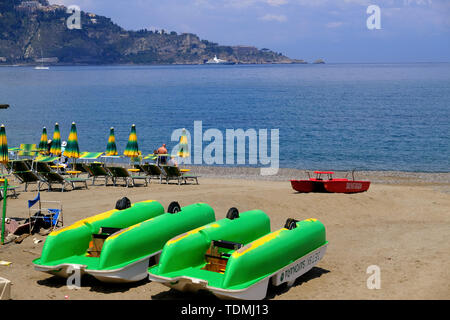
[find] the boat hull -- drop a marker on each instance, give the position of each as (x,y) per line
(125,255)
(331,186)
(133,272)
(257,291)
(347,186)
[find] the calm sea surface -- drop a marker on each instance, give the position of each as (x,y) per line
(334,116)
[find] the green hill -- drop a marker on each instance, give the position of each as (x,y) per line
(27,27)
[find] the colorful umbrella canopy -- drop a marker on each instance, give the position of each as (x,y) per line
(111,148)
(43,144)
(3,146)
(72,150)
(132,149)
(56,142)
(183,147)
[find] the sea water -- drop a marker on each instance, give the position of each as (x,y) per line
(330,117)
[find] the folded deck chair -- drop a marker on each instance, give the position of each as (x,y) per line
(96,171)
(55,178)
(122,173)
(27,150)
(174,173)
(27,177)
(17,165)
(90,155)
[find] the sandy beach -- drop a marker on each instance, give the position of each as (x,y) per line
(402,225)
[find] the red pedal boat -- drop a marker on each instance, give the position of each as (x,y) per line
(318,184)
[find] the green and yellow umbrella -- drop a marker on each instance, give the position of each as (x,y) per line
(132,149)
(183,147)
(3,146)
(72,149)
(111,148)
(56,142)
(4,159)
(43,144)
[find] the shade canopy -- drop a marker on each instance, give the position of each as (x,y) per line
(132,149)
(72,149)
(3,146)
(183,147)
(56,142)
(43,143)
(111,148)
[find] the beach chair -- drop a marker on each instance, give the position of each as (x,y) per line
(8,188)
(53,219)
(28,177)
(55,178)
(152,171)
(17,165)
(122,173)
(42,167)
(174,173)
(96,171)
(78,167)
(43,159)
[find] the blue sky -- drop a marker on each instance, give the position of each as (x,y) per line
(335,30)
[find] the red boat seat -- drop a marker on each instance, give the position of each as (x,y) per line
(323,172)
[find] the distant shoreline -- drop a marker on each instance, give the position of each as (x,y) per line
(378,176)
(197,64)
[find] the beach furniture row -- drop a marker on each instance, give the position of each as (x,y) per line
(44,173)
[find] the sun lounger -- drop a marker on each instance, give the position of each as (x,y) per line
(174,173)
(122,173)
(90,155)
(9,188)
(55,178)
(27,150)
(27,177)
(96,171)
(42,167)
(17,165)
(152,171)
(46,160)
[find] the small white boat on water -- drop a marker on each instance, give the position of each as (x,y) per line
(41,67)
(216,60)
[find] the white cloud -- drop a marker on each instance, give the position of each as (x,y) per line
(274,17)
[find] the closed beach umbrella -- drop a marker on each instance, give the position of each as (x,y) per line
(183,147)
(3,146)
(4,159)
(56,142)
(132,149)
(111,148)
(72,150)
(43,144)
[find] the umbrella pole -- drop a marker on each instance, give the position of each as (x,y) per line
(5,195)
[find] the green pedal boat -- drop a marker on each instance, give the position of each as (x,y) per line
(119,245)
(237,257)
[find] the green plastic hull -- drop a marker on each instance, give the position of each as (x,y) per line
(281,257)
(125,254)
